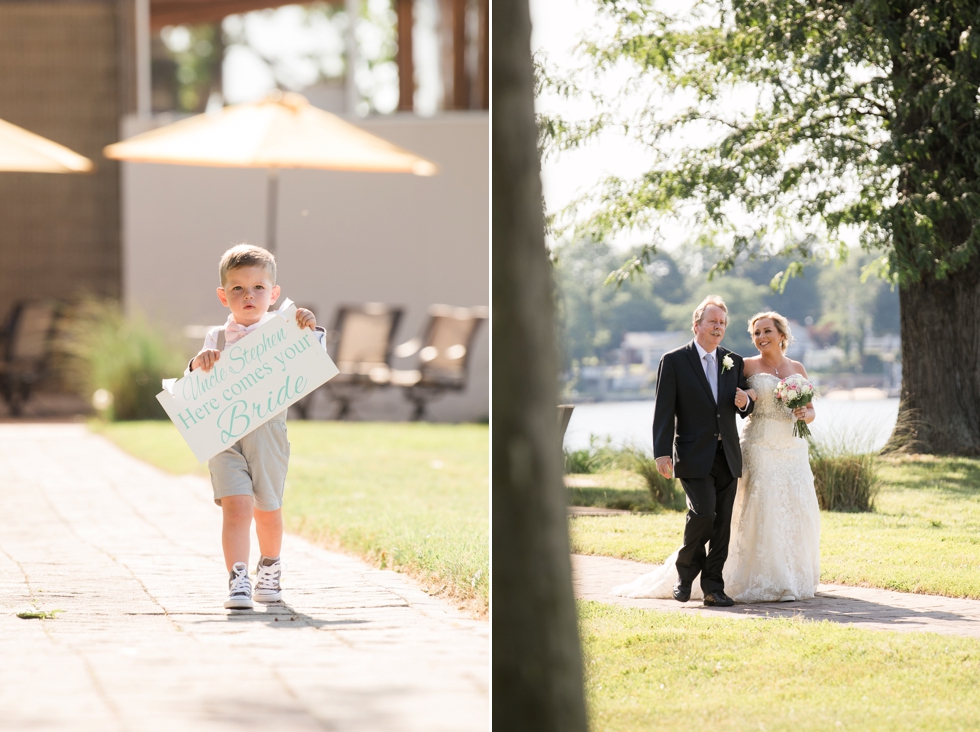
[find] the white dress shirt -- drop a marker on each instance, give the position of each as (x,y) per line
(702,353)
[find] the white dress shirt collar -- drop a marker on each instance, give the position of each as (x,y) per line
(701,352)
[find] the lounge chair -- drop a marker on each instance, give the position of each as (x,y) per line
(361,345)
(564,417)
(443,355)
(26,351)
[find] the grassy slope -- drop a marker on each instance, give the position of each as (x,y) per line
(923,537)
(413,497)
(649,671)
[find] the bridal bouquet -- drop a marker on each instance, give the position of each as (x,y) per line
(796,391)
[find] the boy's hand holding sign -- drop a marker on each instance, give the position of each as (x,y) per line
(225,397)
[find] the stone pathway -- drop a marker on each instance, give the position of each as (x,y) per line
(132,556)
(594,577)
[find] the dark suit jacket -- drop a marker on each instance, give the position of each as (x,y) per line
(686,420)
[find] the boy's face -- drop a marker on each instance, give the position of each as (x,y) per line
(249,292)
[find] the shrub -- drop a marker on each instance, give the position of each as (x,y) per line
(579,461)
(663,490)
(845,479)
(122,359)
(600,455)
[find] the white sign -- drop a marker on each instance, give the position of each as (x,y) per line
(256,378)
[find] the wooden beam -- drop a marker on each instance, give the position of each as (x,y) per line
(482,81)
(178,12)
(446,51)
(460,81)
(406,67)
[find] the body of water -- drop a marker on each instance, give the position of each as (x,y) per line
(863,424)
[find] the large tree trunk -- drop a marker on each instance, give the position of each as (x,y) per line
(537,669)
(940,406)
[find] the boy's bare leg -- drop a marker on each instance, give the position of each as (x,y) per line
(268,528)
(236,520)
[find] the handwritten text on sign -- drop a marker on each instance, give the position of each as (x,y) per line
(256,378)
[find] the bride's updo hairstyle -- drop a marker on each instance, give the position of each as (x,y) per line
(782,325)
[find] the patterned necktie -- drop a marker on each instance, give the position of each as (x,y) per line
(712,375)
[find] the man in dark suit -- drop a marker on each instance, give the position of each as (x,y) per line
(700,387)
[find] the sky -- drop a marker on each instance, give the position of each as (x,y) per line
(556,28)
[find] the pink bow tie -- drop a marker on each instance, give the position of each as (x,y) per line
(235,332)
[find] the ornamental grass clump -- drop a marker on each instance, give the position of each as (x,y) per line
(598,457)
(602,457)
(117,361)
(663,490)
(579,461)
(845,479)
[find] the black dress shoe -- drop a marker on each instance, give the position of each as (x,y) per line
(717,599)
(682,591)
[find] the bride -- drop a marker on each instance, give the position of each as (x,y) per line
(775,550)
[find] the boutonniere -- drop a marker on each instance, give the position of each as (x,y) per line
(726,363)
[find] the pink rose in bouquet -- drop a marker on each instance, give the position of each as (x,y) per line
(796,391)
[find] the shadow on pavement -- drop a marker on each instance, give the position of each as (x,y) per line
(837,609)
(281,615)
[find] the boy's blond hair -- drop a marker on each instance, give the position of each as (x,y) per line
(246,255)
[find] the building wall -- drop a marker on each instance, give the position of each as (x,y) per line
(342,238)
(60,234)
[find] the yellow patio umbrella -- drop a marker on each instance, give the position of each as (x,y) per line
(24,152)
(281,131)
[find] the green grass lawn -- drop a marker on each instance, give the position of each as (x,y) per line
(924,535)
(412,497)
(647,670)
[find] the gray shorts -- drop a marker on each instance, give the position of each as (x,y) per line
(254,466)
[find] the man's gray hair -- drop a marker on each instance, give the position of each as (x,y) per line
(709,300)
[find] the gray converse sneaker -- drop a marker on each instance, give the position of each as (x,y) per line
(239,588)
(267,575)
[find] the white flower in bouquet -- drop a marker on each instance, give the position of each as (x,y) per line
(796,391)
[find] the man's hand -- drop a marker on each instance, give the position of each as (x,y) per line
(665,466)
(205,360)
(305,319)
(741,399)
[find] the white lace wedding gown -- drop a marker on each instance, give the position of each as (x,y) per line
(775,546)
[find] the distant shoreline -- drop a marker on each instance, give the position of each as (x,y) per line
(858,394)
(857,415)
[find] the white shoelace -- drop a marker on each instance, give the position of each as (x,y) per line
(267,578)
(240,583)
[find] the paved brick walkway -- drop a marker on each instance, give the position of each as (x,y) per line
(865,607)
(133,558)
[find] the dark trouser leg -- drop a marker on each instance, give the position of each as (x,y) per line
(698,527)
(709,513)
(725,484)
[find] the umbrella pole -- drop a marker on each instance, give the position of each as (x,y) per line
(272,206)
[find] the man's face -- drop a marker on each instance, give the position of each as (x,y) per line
(249,292)
(709,332)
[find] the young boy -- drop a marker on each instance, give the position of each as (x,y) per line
(249,477)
